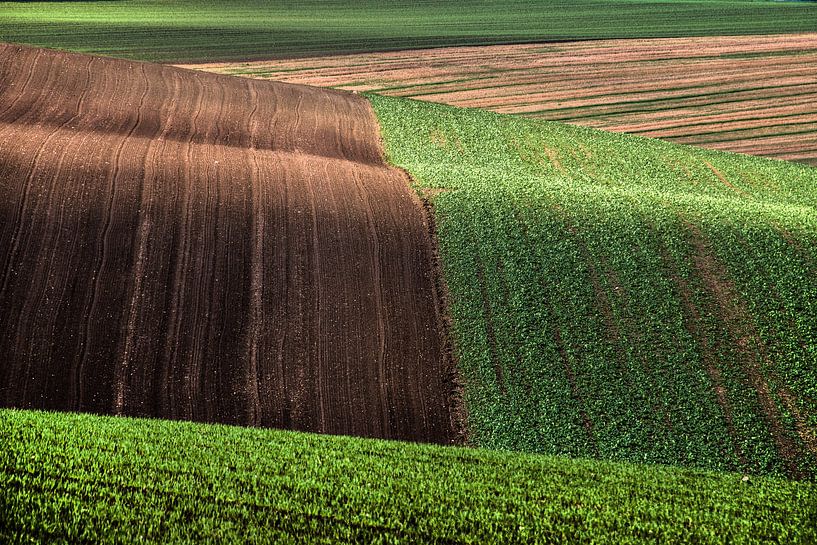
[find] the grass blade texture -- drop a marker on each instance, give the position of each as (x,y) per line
(67,478)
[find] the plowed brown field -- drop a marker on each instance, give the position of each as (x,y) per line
(193,246)
(750,94)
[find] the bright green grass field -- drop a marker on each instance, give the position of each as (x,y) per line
(200,30)
(613,297)
(87,479)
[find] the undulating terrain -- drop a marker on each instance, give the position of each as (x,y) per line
(622,297)
(749,94)
(192,246)
(621,330)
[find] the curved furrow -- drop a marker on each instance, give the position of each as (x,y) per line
(23,227)
(7,85)
(30,102)
(257,267)
(318,281)
(33,169)
(377,292)
(129,377)
(69,160)
(102,244)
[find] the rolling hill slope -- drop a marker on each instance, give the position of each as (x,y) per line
(191,246)
(620,297)
(67,478)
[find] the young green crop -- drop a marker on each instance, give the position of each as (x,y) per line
(68,478)
(196,30)
(620,297)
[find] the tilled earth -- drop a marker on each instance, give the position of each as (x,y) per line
(748,94)
(193,246)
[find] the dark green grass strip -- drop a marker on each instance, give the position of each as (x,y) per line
(665,102)
(791,99)
(753,134)
(771,121)
(631,300)
(196,30)
(86,479)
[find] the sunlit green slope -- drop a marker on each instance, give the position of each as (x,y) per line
(619,297)
(88,479)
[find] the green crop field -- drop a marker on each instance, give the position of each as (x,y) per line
(68,478)
(197,30)
(620,297)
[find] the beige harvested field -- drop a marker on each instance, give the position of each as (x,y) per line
(750,94)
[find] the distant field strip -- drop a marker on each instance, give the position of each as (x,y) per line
(200,30)
(752,94)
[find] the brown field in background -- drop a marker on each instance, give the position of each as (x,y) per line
(749,94)
(190,246)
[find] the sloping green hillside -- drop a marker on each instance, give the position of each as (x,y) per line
(619,297)
(87,479)
(198,30)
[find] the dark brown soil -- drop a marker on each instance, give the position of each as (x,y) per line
(191,246)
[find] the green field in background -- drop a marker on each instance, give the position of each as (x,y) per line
(197,30)
(68,478)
